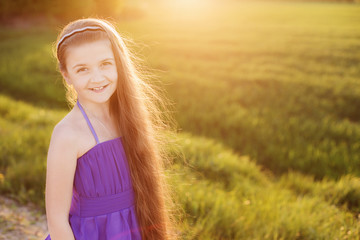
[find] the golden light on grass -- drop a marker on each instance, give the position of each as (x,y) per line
(189,9)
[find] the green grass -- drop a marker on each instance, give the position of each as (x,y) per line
(25,136)
(273,90)
(276,81)
(224,195)
(27,69)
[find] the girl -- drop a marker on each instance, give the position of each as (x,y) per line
(104,175)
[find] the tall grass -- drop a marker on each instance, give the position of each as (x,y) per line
(270,90)
(223,195)
(275,81)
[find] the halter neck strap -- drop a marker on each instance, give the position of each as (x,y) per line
(88,121)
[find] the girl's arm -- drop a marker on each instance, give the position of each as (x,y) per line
(61,164)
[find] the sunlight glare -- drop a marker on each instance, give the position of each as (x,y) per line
(189,8)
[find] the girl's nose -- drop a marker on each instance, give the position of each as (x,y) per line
(97,76)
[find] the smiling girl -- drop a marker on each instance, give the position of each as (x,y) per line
(105,169)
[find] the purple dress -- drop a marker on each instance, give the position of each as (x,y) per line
(102,206)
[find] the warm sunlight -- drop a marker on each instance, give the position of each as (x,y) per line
(189,4)
(196,119)
(189,9)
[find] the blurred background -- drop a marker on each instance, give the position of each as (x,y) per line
(266,95)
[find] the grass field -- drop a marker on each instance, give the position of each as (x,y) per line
(267,95)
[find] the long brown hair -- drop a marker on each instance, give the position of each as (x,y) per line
(139,110)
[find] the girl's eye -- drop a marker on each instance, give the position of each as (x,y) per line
(81,69)
(107,63)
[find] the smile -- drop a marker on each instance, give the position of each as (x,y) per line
(99,88)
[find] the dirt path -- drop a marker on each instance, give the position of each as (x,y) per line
(21,222)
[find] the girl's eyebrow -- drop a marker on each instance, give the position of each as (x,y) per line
(78,65)
(82,64)
(106,59)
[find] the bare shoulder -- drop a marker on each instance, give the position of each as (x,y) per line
(71,135)
(64,139)
(64,134)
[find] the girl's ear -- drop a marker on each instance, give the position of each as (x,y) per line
(66,77)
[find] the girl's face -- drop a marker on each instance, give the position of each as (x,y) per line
(92,71)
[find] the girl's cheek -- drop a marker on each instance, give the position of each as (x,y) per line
(83,80)
(115,74)
(112,73)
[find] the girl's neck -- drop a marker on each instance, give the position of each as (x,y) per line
(98,110)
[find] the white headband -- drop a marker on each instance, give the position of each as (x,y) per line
(75,31)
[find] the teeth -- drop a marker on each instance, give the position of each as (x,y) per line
(99,88)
